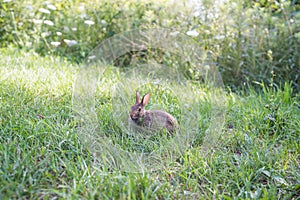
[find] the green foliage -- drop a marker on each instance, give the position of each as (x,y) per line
(72,28)
(250,40)
(253,44)
(41,155)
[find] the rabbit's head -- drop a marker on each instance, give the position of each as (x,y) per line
(137,111)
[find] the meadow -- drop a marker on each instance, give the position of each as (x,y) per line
(45,155)
(257,155)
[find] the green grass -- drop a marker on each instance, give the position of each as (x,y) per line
(41,155)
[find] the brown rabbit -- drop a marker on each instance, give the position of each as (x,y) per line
(150,119)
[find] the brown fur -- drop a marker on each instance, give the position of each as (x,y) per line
(151,119)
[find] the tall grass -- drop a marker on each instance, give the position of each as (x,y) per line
(250,41)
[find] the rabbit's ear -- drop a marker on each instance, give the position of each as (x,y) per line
(145,99)
(137,97)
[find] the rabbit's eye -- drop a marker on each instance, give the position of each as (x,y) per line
(140,109)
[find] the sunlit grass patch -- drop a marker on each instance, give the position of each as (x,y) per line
(104,125)
(42,156)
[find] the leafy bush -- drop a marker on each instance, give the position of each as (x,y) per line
(252,41)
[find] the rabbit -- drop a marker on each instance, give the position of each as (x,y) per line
(150,120)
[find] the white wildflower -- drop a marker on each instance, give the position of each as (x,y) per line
(45,34)
(192,33)
(70,42)
(51,7)
(43,10)
(46,3)
(37,21)
(92,57)
(89,22)
(48,22)
(56,44)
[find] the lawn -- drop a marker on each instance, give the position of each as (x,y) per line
(42,155)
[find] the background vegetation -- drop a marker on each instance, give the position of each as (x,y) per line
(254,43)
(249,40)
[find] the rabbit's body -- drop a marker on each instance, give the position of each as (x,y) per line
(150,120)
